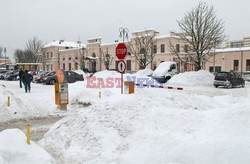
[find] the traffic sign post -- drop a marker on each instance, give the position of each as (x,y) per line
(121,52)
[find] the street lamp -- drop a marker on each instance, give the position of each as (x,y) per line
(5,57)
(123,33)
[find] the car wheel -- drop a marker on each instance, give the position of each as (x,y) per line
(52,82)
(230,85)
(216,86)
(243,85)
(167,78)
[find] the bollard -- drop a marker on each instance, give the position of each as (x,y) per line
(100,94)
(28,133)
(8,101)
(129,87)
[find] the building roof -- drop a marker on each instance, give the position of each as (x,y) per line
(233,49)
(58,43)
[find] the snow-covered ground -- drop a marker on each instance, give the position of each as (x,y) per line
(14,149)
(200,124)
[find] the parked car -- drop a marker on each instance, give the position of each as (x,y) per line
(44,77)
(228,79)
(38,76)
(246,76)
(13,76)
(4,75)
(2,72)
(70,76)
(165,71)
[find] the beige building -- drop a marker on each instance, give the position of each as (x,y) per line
(245,42)
(62,54)
(237,59)
(93,56)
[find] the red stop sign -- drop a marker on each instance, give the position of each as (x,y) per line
(121,51)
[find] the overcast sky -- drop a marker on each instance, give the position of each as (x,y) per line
(72,19)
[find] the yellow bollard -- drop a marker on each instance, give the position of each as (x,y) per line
(8,101)
(28,133)
(100,94)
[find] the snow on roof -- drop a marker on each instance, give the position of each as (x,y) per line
(233,49)
(151,29)
(71,49)
(59,43)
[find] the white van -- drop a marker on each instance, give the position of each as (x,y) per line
(165,71)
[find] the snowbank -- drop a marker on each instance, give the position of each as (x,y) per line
(199,78)
(155,126)
(144,72)
(15,150)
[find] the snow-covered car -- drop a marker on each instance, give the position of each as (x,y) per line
(144,72)
(165,71)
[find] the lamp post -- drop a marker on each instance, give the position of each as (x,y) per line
(123,34)
(5,57)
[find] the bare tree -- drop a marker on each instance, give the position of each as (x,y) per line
(34,47)
(106,59)
(202,31)
(1,51)
(19,56)
(141,46)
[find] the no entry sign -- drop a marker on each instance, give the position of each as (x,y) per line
(121,51)
(121,66)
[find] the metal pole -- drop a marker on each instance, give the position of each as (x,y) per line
(123,34)
(241,63)
(5,58)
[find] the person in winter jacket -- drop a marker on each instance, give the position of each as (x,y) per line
(27,78)
(20,77)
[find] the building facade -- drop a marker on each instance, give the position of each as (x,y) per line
(95,54)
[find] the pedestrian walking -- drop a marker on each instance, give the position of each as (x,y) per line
(20,77)
(27,78)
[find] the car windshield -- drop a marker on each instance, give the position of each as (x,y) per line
(222,74)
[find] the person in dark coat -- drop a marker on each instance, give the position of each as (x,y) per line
(27,78)
(20,77)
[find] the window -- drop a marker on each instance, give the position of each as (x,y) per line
(63,66)
(129,65)
(177,47)
(47,67)
(248,65)
(155,49)
(51,67)
(129,53)
(51,55)
(76,58)
(66,47)
(69,58)
(162,48)
(47,54)
(69,66)
(186,48)
(217,69)
(236,65)
(63,58)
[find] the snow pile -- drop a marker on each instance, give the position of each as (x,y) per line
(15,150)
(155,126)
(144,72)
(107,74)
(199,78)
